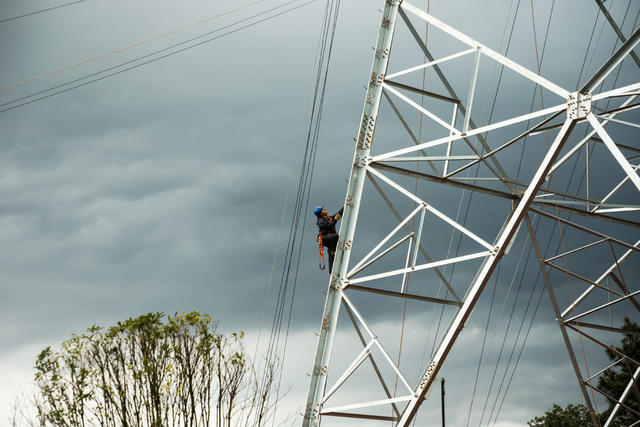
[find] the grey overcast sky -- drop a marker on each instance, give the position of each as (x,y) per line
(162,188)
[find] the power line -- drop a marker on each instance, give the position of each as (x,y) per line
(148,55)
(289,188)
(477,169)
(586,53)
(122,49)
(539,61)
(40,11)
(155,52)
(466,215)
(484,341)
(276,351)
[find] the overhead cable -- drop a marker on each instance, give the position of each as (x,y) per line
(122,49)
(468,203)
(39,11)
(586,53)
(539,61)
(277,345)
(30,101)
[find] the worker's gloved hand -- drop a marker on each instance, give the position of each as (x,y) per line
(341,211)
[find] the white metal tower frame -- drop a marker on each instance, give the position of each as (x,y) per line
(531,197)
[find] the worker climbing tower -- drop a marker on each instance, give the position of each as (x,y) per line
(558,179)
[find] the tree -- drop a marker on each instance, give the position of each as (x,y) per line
(614,381)
(571,416)
(153,370)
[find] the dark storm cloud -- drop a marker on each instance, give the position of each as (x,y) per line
(163,188)
(136,184)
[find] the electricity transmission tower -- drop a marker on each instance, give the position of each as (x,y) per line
(561,177)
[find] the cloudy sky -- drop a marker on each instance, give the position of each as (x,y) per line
(162,188)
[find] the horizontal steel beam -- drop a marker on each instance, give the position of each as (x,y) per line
(402,295)
(430,63)
(422,91)
(427,266)
(603,306)
(497,193)
(360,416)
(340,409)
(589,230)
(602,328)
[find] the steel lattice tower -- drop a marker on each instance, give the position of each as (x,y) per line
(596,221)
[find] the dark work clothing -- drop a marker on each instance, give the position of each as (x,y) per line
(327,230)
(327,224)
(330,241)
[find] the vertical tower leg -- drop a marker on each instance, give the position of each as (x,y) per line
(485,272)
(563,330)
(352,205)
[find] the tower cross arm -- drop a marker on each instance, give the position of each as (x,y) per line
(486,50)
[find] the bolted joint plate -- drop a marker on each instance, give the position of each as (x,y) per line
(325,323)
(320,370)
(425,379)
(376,79)
(312,412)
(370,99)
(383,54)
(578,105)
(337,282)
(362,161)
(365,136)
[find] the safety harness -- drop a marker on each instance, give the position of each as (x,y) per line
(321,262)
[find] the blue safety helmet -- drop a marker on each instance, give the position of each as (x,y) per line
(317,210)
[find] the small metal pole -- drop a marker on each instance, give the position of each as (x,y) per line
(442,398)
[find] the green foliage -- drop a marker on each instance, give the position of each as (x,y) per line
(152,370)
(571,416)
(614,381)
